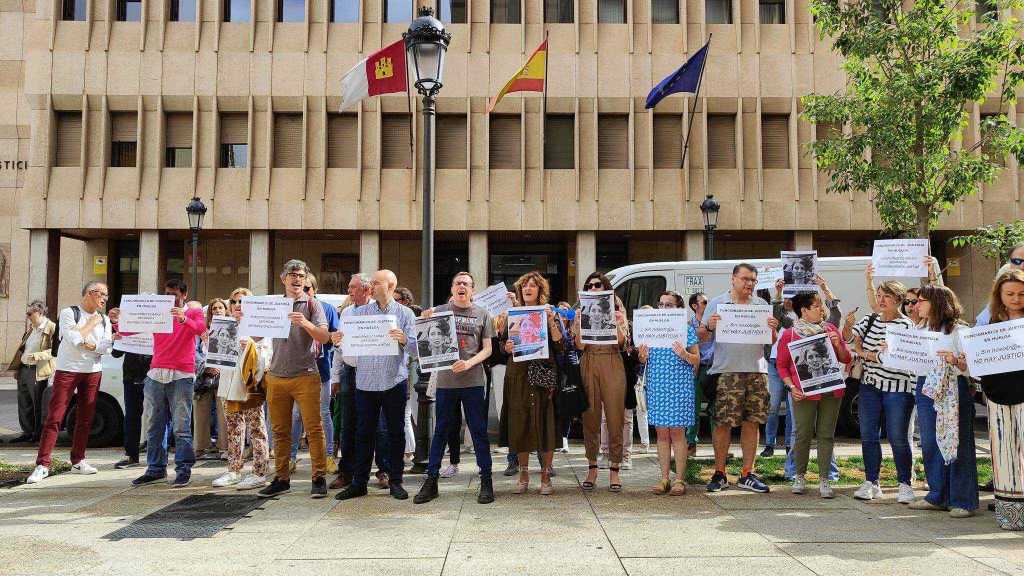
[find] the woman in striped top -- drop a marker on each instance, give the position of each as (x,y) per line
(884,391)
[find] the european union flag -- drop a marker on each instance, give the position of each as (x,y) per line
(685,79)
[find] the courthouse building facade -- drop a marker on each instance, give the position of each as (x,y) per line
(114,113)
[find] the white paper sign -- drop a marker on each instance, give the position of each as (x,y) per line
(368,335)
(136,344)
(744,324)
(224,346)
(913,351)
(149,313)
(659,328)
(494,299)
(597,322)
(900,258)
(995,348)
(528,331)
(437,342)
(266,316)
(816,365)
(767,276)
(799,269)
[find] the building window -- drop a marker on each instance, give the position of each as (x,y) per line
(123,139)
(73,10)
(718,11)
(505,12)
(178,140)
(611,11)
(291,10)
(775,141)
(69,139)
(560,141)
(558,11)
(236,10)
(397,10)
(395,151)
(988,149)
(668,141)
(451,141)
(288,140)
(234,140)
(344,10)
(773,11)
(342,140)
(721,140)
(986,9)
(452,11)
(183,11)
(129,10)
(613,141)
(665,11)
(505,142)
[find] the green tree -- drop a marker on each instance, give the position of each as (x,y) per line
(912,72)
(995,241)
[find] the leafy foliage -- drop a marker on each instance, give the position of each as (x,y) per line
(995,241)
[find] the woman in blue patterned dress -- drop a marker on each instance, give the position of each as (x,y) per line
(670,397)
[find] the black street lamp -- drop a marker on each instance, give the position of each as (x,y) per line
(709,208)
(426,43)
(195,210)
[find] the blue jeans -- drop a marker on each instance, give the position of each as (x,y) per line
(790,468)
(954,485)
(369,406)
(896,407)
(778,395)
(325,417)
(171,401)
(474,403)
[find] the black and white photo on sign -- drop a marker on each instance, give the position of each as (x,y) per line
(817,365)
(437,342)
(224,345)
(597,317)
(799,270)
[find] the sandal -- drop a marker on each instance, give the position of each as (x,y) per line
(522,487)
(588,485)
(614,487)
(678,488)
(662,487)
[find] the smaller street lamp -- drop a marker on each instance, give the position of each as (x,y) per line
(195,210)
(709,208)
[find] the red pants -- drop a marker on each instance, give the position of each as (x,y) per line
(87,385)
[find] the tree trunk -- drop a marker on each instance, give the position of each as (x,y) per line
(922,229)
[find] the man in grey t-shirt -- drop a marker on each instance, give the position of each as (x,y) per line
(464,383)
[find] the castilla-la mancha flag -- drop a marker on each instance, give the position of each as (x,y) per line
(383,72)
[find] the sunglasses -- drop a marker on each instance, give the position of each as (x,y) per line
(911,302)
(597,285)
(234,302)
(307,289)
(1017,261)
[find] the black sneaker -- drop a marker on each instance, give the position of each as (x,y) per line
(352,491)
(486,495)
(182,479)
(427,492)
(127,463)
(276,488)
(768,452)
(512,470)
(148,478)
(417,468)
(397,492)
(319,489)
(753,483)
(718,482)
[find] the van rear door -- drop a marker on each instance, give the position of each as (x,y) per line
(642,290)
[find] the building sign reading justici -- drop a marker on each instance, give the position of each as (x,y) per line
(13,164)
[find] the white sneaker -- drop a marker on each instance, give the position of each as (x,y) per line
(602,463)
(82,468)
(252,481)
(450,471)
(825,490)
(905,494)
(645,448)
(626,464)
(799,485)
(228,479)
(868,491)
(40,473)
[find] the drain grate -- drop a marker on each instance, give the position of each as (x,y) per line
(198,516)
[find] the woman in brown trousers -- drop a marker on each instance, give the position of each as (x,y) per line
(604,377)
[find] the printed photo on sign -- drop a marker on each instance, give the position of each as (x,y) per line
(900,258)
(494,299)
(799,269)
(528,331)
(913,351)
(266,316)
(224,346)
(817,365)
(994,349)
(368,335)
(597,318)
(744,324)
(135,344)
(659,328)
(437,342)
(149,313)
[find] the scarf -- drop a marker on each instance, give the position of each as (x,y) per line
(940,384)
(806,329)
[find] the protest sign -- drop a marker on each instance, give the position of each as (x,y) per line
(816,365)
(799,271)
(146,313)
(368,335)
(900,258)
(995,348)
(141,343)
(437,342)
(659,328)
(744,324)
(494,299)
(913,351)
(528,331)
(266,316)
(223,346)
(597,318)
(767,276)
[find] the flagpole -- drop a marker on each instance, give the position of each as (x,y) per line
(700,79)
(544,113)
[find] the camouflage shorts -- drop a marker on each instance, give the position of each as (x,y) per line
(742,397)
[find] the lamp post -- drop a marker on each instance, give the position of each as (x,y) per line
(426,43)
(709,208)
(195,210)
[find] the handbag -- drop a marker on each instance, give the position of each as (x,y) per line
(542,375)
(571,400)
(641,393)
(205,382)
(857,366)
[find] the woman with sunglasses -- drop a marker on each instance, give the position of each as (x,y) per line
(604,377)
(1014,262)
(203,403)
(668,376)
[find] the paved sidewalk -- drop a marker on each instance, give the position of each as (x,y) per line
(59,527)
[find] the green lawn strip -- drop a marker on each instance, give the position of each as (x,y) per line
(9,471)
(851,470)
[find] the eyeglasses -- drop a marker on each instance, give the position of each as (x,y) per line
(599,285)
(747,280)
(912,302)
(234,302)
(307,289)
(1017,261)
(299,275)
(99,293)
(666,305)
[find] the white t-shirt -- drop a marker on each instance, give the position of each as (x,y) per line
(72,356)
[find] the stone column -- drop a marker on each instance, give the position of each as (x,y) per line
(694,245)
(803,240)
(586,255)
(44,267)
(259,262)
(369,251)
(478,258)
(149,262)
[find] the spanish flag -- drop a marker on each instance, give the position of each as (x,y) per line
(530,78)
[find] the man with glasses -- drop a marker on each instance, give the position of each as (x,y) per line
(85,336)
(742,396)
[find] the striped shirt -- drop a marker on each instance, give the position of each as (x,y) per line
(380,373)
(875,374)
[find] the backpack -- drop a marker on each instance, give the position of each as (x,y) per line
(55,340)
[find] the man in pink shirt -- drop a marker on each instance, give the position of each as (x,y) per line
(169,387)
